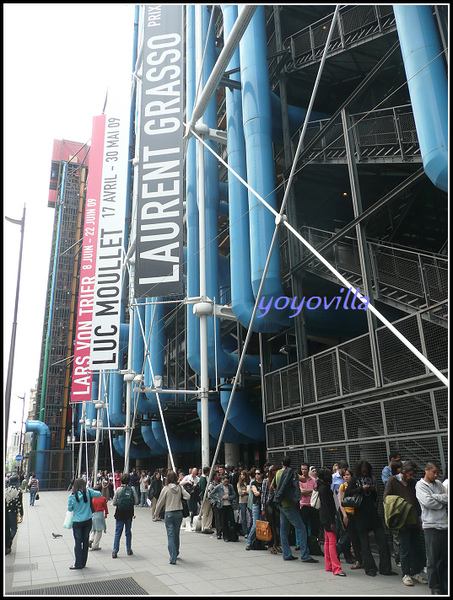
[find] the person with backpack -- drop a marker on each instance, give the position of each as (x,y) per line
(13,507)
(125,499)
(287,495)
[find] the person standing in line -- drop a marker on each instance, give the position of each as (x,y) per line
(171,499)
(125,499)
(410,546)
(269,511)
(344,541)
(33,485)
(13,507)
(327,516)
(310,515)
(224,495)
(243,495)
(215,509)
(189,482)
(433,500)
(254,502)
(98,520)
(105,490)
(287,494)
(387,470)
(349,520)
(206,509)
(80,502)
(368,519)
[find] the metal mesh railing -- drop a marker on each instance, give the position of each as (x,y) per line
(348,369)
(413,423)
(414,279)
(355,24)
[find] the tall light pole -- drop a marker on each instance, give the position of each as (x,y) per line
(9,379)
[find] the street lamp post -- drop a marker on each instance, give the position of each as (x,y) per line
(9,379)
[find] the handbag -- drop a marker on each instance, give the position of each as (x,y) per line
(354,501)
(69,518)
(315,500)
(263,531)
(37,496)
(185,508)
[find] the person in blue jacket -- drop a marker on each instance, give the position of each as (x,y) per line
(80,502)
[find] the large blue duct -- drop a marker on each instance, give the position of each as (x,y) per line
(115,385)
(226,363)
(177,444)
(427,82)
(43,446)
(242,415)
(216,418)
(119,444)
(151,442)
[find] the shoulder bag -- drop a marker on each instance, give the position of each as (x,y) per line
(69,518)
(354,501)
(315,500)
(263,531)
(185,507)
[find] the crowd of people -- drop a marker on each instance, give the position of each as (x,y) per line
(327,512)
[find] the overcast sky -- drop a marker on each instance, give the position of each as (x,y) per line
(59,60)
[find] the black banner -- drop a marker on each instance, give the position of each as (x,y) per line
(160,186)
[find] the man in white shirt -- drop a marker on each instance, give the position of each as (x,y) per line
(189,482)
(433,499)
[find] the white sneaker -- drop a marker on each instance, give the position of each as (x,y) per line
(420,577)
(407,580)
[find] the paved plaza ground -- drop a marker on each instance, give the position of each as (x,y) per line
(39,564)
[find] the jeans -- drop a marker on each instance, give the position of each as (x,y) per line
(243,508)
(173,520)
(290,515)
(119,532)
(256,508)
(411,554)
(81,531)
(436,544)
(33,492)
(143,498)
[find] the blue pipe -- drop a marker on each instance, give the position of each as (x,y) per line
(242,415)
(216,418)
(427,82)
(177,445)
(115,385)
(227,363)
(43,446)
(119,444)
(257,121)
(151,442)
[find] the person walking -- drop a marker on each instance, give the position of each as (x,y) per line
(125,499)
(327,516)
(171,500)
(33,485)
(433,499)
(98,525)
(79,501)
(287,494)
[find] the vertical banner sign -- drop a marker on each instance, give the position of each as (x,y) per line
(105,335)
(159,211)
(81,375)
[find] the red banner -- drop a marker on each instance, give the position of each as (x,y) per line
(81,374)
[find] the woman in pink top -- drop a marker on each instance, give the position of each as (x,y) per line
(310,515)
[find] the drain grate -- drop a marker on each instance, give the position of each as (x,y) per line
(125,586)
